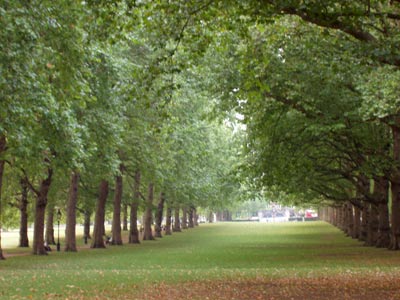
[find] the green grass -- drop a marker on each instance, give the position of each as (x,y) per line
(225,250)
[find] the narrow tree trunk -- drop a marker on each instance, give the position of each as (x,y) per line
(70,233)
(148,233)
(349,219)
(98,241)
(210,217)
(2,163)
(195,217)
(23,208)
(40,208)
(49,236)
(86,225)
(116,225)
(177,221)
(364,221)
(133,230)
(125,217)
(168,230)
(191,216)
(159,215)
(395,188)
(184,218)
(357,222)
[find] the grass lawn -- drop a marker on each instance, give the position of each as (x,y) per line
(310,260)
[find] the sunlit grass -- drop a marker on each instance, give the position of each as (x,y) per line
(225,250)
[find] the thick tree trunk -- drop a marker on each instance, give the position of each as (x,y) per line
(168,221)
(191,216)
(2,163)
(98,232)
(49,236)
(23,208)
(349,219)
(395,188)
(40,209)
(86,225)
(184,218)
(148,217)
(373,223)
(210,217)
(159,215)
(177,221)
(125,217)
(116,225)
(382,193)
(133,230)
(70,234)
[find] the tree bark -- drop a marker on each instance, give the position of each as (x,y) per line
(191,216)
(23,208)
(177,221)
(373,223)
(125,217)
(49,236)
(98,231)
(383,235)
(70,233)
(40,208)
(2,163)
(184,218)
(133,230)
(357,222)
(86,225)
(168,221)
(116,225)
(159,216)
(395,189)
(195,217)
(364,221)
(148,233)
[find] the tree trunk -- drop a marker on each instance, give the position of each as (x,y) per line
(168,222)
(195,217)
(148,233)
(133,230)
(395,188)
(2,163)
(116,225)
(357,222)
(184,218)
(86,225)
(191,216)
(210,217)
(23,208)
(177,221)
(98,241)
(49,236)
(349,219)
(125,217)
(383,235)
(159,215)
(40,208)
(373,223)
(70,234)
(364,221)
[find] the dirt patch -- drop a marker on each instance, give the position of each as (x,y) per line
(337,287)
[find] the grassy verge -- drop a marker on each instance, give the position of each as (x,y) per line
(226,251)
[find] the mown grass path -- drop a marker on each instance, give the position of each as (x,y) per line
(217,261)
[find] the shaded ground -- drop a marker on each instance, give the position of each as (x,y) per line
(373,287)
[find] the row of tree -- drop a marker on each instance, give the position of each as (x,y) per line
(100,92)
(317,85)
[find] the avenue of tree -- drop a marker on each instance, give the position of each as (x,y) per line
(114,109)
